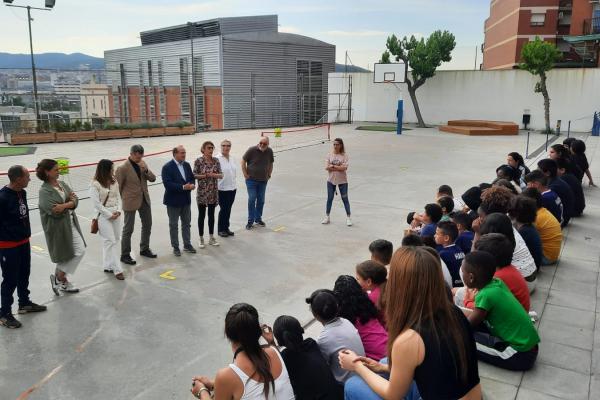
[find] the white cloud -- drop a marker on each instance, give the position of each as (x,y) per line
(364,33)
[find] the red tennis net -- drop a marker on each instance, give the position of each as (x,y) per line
(291,138)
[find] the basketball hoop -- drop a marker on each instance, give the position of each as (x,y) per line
(389,73)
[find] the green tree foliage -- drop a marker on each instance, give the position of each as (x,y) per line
(423,57)
(538,57)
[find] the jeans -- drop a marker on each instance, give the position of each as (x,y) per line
(343,193)
(211,218)
(256,199)
(175,213)
(226,199)
(356,388)
(146,217)
(16,266)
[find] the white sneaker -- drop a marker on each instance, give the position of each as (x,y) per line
(55,285)
(213,242)
(68,287)
(202,243)
(325,220)
(348,221)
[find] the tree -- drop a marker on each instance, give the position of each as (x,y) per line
(423,57)
(538,57)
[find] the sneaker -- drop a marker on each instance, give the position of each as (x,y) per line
(10,322)
(230,233)
(249,226)
(68,287)
(108,270)
(261,223)
(176,252)
(189,249)
(213,242)
(223,234)
(31,307)
(55,285)
(126,259)
(202,245)
(348,221)
(148,253)
(325,220)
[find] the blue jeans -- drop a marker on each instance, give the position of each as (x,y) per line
(356,388)
(343,193)
(256,199)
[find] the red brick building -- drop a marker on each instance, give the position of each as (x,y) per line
(573,25)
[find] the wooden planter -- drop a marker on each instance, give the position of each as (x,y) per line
(175,130)
(113,134)
(147,132)
(31,138)
(75,136)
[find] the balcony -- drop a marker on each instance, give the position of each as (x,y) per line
(591,26)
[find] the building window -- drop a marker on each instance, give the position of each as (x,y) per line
(538,19)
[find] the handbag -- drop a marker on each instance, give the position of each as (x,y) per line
(94,226)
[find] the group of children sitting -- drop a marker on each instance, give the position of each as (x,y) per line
(456,291)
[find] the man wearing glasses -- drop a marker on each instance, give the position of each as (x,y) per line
(257,166)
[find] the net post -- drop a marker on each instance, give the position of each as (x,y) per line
(329,132)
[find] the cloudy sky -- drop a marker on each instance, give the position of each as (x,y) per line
(358,27)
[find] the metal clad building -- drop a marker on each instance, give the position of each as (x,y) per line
(227,73)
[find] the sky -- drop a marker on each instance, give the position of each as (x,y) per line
(359,28)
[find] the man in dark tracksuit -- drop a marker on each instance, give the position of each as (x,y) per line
(15,250)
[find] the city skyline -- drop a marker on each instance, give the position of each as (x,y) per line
(360,29)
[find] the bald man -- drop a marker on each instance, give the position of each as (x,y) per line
(178,179)
(257,166)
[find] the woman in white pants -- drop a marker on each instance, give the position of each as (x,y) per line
(104,193)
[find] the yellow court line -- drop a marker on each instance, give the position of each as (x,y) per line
(279,229)
(167,275)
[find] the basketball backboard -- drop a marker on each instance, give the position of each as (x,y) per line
(389,73)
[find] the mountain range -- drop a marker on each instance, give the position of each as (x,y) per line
(75,60)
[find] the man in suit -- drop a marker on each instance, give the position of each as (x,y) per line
(178,179)
(133,176)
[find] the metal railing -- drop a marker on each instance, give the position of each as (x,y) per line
(591,26)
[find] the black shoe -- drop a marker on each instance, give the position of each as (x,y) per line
(10,322)
(176,252)
(31,307)
(249,225)
(189,249)
(230,233)
(223,234)
(128,260)
(261,223)
(148,253)
(108,271)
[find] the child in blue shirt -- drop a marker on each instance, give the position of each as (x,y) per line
(445,236)
(465,234)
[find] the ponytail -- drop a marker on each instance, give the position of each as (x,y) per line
(288,332)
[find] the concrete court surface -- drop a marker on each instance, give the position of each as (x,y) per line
(145,337)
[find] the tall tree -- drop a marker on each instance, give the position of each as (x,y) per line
(423,57)
(538,57)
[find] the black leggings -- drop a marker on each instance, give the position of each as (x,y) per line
(211,218)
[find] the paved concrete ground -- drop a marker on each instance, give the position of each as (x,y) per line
(145,337)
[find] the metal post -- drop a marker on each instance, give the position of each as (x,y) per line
(195,117)
(475,66)
(569,129)
(36,105)
(547,135)
(527,148)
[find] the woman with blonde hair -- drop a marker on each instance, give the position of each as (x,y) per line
(430,340)
(207,170)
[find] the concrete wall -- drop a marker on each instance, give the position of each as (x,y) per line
(491,95)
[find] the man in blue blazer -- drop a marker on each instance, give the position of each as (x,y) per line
(178,179)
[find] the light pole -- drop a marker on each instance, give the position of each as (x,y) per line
(49,4)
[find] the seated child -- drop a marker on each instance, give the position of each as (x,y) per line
(381,251)
(309,373)
(452,255)
(465,234)
(428,220)
(445,190)
(548,228)
(504,333)
(412,240)
(447,205)
(372,277)
(355,306)
(338,333)
(501,248)
(472,200)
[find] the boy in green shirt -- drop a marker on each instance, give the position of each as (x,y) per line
(504,333)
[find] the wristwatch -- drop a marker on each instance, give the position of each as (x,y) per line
(199,394)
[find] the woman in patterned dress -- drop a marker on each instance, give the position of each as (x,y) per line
(207,170)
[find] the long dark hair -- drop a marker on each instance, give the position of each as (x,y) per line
(518,158)
(355,305)
(417,298)
(104,175)
(377,273)
(242,327)
(288,332)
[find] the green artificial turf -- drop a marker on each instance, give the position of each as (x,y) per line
(16,151)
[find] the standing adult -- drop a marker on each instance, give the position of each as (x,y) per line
(227,188)
(207,170)
(66,245)
(178,179)
(104,192)
(257,166)
(133,176)
(15,250)
(337,165)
